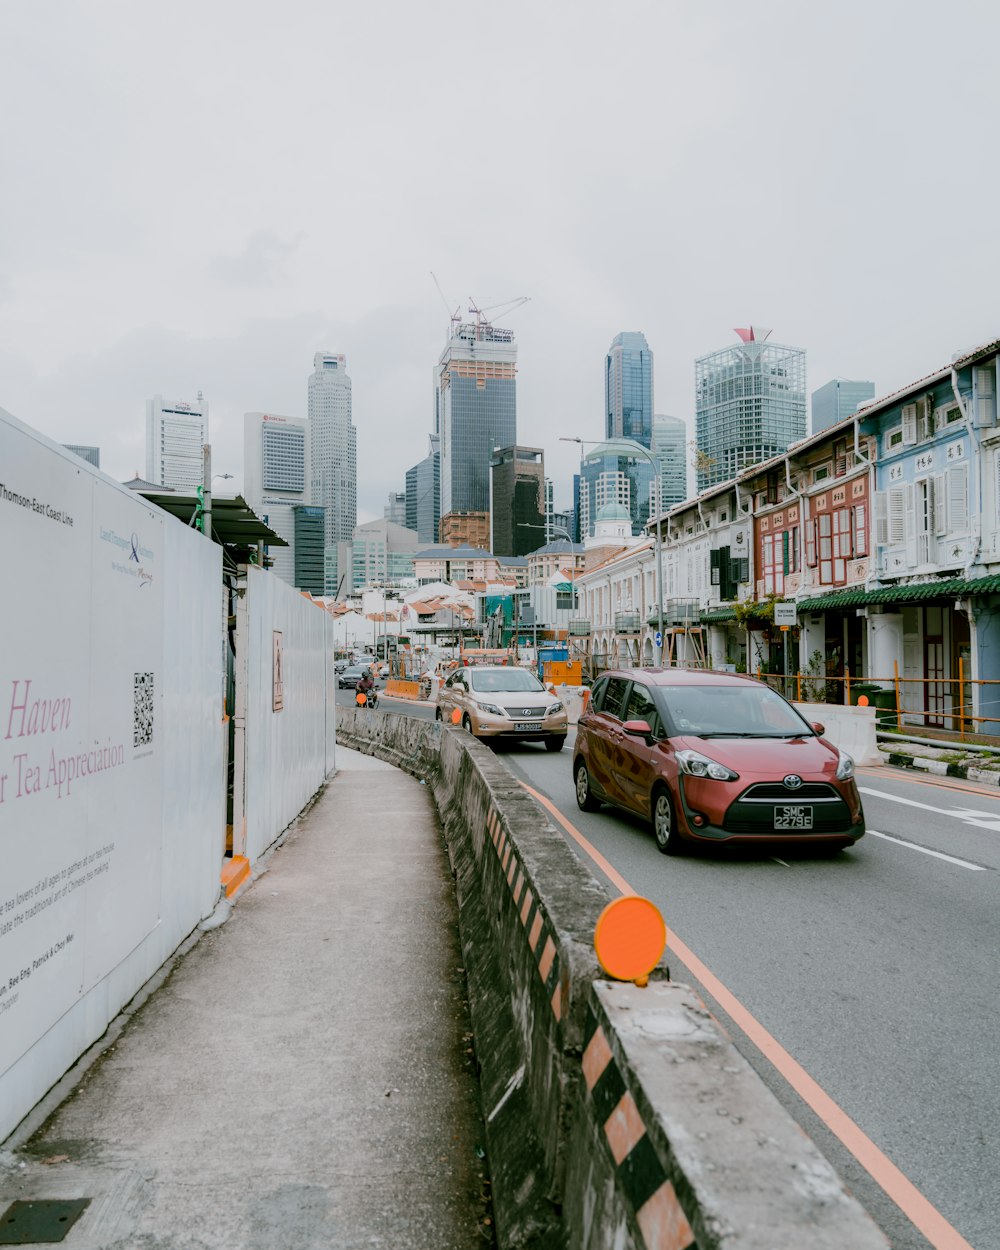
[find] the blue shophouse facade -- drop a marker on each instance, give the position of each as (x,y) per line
(933,593)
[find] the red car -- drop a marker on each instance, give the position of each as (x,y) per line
(712,757)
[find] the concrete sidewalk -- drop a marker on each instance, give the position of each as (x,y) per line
(304,1077)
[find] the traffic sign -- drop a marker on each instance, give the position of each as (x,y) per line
(658,638)
(784,614)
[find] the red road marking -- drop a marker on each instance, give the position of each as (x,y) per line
(921,1213)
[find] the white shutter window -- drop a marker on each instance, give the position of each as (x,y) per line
(896,522)
(909,424)
(939,511)
(882,518)
(958,499)
(925,417)
(985,391)
(909,494)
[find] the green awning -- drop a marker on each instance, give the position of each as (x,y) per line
(718,616)
(915,592)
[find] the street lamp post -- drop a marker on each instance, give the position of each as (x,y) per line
(628,447)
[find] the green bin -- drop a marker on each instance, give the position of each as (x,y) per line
(885,707)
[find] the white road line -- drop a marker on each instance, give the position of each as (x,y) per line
(776,860)
(970,815)
(925,851)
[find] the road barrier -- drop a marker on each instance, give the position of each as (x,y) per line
(400,688)
(613,1115)
(850,729)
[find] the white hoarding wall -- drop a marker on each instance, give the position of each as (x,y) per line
(285,708)
(112,800)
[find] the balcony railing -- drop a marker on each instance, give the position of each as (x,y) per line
(627,623)
(579,628)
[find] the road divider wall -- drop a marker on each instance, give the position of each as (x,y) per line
(613,1115)
(850,729)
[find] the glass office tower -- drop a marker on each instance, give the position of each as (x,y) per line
(334,456)
(628,388)
(670,448)
(609,477)
(837,400)
(423,495)
(475,411)
(750,404)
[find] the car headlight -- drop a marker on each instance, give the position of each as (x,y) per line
(491,708)
(697,765)
(556,707)
(845,766)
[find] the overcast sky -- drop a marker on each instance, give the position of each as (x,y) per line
(202,194)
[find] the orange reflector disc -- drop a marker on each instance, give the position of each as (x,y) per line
(456,715)
(629,938)
(862,700)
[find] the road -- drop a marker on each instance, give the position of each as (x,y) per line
(873,973)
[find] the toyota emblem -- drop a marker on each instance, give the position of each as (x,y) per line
(792,782)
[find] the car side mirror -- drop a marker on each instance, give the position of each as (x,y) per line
(818,729)
(637,729)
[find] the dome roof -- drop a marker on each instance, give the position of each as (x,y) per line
(613,512)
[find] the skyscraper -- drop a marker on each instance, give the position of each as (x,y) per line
(610,475)
(276,482)
(838,399)
(423,495)
(334,456)
(518,513)
(475,411)
(750,404)
(669,446)
(395,509)
(175,435)
(628,388)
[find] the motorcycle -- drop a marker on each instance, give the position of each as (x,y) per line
(366,698)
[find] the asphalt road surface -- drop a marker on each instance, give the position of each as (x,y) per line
(870,978)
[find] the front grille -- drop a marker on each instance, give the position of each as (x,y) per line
(774,790)
(525,713)
(829,816)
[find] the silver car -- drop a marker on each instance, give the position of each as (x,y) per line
(499,702)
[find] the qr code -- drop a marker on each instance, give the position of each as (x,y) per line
(142,716)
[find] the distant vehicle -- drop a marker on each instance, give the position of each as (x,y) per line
(349,678)
(502,703)
(340,665)
(708,757)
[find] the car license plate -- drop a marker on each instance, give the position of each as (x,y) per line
(526,726)
(793,818)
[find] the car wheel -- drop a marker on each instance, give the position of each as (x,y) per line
(555,743)
(437,714)
(467,725)
(585,800)
(668,840)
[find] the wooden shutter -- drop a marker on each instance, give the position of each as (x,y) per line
(909,424)
(958,499)
(939,510)
(811,542)
(860,527)
(881,519)
(896,528)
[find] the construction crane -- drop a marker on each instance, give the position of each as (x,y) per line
(507,307)
(454,317)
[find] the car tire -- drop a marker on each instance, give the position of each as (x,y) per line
(437,715)
(467,725)
(668,840)
(555,744)
(585,800)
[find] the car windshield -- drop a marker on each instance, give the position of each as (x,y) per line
(748,711)
(497,680)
